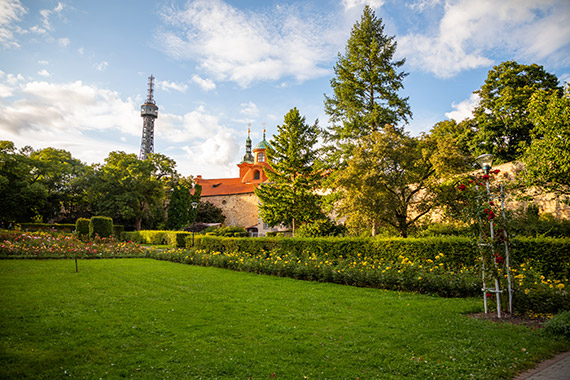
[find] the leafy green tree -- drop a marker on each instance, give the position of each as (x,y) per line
(22,197)
(288,197)
(365,88)
(209,213)
(501,119)
(61,175)
(547,159)
(179,206)
(390,181)
(128,189)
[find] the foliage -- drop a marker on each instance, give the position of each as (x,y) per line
(547,158)
(82,227)
(289,195)
(171,238)
(101,226)
(128,189)
(388,181)
(321,227)
(436,275)
(179,206)
(501,119)
(148,319)
(365,88)
(559,325)
(46,245)
(229,232)
(207,212)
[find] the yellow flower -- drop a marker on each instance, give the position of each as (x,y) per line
(419,278)
(560,286)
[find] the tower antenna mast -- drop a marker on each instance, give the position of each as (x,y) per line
(149,113)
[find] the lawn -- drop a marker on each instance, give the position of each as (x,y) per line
(147,319)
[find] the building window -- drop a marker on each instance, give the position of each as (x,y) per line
(260,157)
(256,175)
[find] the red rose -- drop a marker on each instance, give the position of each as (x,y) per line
(496,171)
(462,187)
(485,176)
(491,203)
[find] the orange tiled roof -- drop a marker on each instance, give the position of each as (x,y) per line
(224,186)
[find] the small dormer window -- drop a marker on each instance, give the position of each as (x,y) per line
(256,175)
(260,157)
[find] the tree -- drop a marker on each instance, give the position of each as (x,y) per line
(179,205)
(365,88)
(22,196)
(547,159)
(288,197)
(208,213)
(61,175)
(128,189)
(389,181)
(501,119)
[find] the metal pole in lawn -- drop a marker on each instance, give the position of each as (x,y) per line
(194,206)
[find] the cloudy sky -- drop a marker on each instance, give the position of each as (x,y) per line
(73,73)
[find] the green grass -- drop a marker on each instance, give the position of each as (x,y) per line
(146,319)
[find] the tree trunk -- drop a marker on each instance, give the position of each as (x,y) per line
(138,224)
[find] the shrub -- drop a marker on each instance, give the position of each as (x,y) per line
(47,227)
(118,231)
(559,325)
(101,226)
(82,227)
(229,232)
(319,228)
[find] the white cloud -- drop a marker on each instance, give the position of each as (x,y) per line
(208,148)
(44,73)
(64,107)
(349,4)
(464,109)
(205,84)
(243,47)
(11,12)
(43,62)
(180,87)
(470,31)
(72,116)
(249,109)
(63,42)
(102,66)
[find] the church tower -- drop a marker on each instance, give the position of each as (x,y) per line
(149,112)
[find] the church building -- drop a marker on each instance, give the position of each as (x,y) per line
(235,196)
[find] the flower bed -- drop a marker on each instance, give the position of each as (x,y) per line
(44,245)
(533,293)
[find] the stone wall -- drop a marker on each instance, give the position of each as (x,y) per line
(240,209)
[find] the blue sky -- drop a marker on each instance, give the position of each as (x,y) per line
(73,74)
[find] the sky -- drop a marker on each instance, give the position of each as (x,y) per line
(73,74)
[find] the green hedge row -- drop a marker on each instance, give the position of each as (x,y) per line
(171,238)
(552,255)
(47,227)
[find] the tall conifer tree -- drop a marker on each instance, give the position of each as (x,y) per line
(365,89)
(288,197)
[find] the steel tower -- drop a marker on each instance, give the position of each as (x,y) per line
(149,112)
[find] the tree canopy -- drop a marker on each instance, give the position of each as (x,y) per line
(365,88)
(387,182)
(501,120)
(289,196)
(547,159)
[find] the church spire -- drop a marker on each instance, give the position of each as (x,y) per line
(248,156)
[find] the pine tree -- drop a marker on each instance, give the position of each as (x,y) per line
(365,88)
(288,197)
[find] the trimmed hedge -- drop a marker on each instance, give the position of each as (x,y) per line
(47,227)
(82,227)
(101,226)
(172,238)
(551,255)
